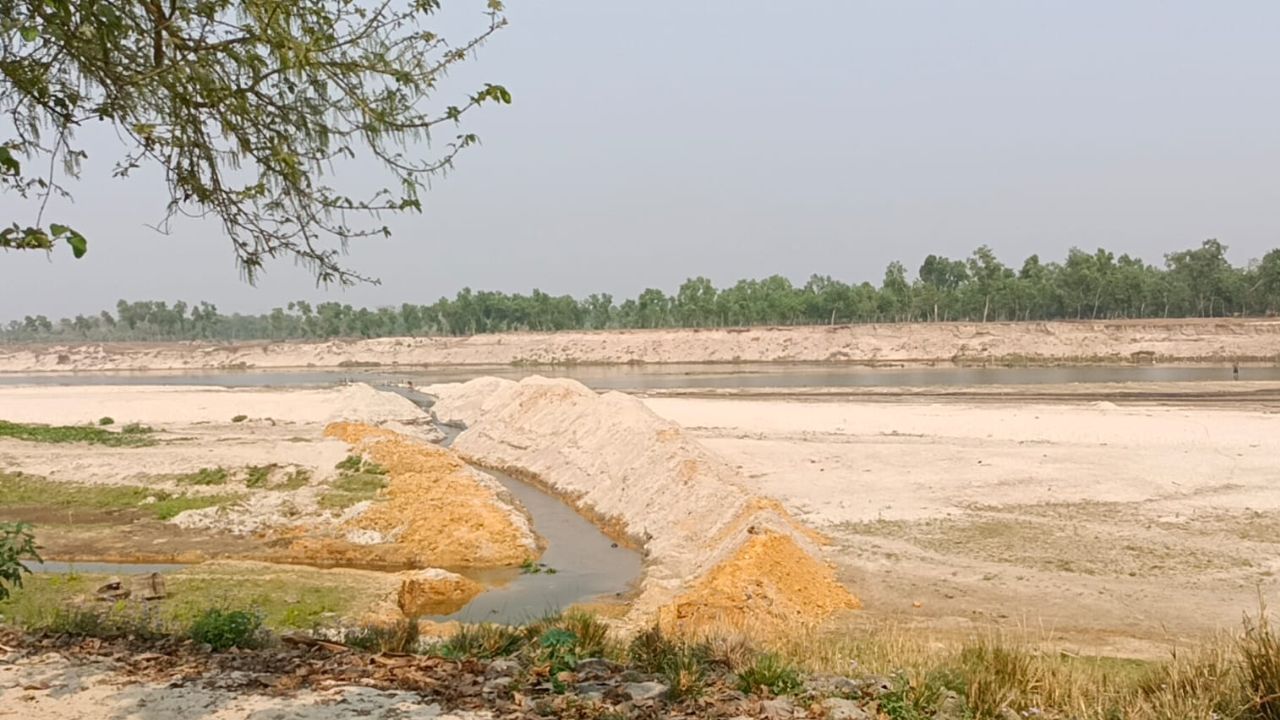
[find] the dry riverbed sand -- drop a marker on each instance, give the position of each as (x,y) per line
(1092,520)
(260,475)
(1048,343)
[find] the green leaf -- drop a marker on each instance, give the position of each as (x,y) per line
(79,246)
(58,230)
(29,33)
(8,163)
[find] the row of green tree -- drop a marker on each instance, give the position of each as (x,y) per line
(1199,282)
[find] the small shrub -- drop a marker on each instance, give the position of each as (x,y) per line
(399,637)
(17,547)
(481,642)
(225,629)
(769,672)
(239,418)
(204,476)
(105,421)
(136,429)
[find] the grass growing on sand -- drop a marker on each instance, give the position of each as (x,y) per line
(132,435)
(205,477)
(17,489)
(351,488)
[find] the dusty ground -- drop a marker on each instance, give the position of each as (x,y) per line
(1215,340)
(1098,521)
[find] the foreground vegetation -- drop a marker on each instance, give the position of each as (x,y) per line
(1199,282)
(894,674)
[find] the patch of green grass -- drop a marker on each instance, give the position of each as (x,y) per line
(347,490)
(296,479)
(17,489)
(139,437)
(205,477)
(105,421)
(770,673)
(226,629)
(357,464)
(257,476)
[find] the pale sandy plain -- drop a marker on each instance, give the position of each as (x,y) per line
(1212,340)
(1118,527)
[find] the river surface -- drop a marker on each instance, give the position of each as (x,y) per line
(664,377)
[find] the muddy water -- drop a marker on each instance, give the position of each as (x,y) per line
(661,377)
(587,565)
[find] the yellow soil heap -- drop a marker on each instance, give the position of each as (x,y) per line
(768,586)
(435,592)
(436,506)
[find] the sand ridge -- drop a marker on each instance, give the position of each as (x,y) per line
(689,510)
(440,510)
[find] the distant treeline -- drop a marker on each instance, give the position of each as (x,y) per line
(1098,285)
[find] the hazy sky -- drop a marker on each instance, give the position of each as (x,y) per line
(654,141)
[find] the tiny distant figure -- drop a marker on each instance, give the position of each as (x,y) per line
(410,384)
(1235,371)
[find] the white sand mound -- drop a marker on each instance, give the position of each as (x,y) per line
(178,405)
(634,471)
(461,403)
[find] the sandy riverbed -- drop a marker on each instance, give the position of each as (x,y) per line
(1214,340)
(1100,521)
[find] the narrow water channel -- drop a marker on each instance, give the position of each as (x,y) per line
(581,563)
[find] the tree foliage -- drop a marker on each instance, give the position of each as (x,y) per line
(1193,283)
(17,547)
(250,108)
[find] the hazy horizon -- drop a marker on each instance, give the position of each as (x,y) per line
(647,144)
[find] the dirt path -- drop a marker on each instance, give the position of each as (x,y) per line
(1091,520)
(1053,343)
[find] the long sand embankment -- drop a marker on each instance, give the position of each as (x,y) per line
(1049,343)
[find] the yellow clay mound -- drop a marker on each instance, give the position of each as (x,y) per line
(442,511)
(768,586)
(435,592)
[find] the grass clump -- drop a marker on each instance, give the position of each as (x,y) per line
(257,476)
(105,421)
(482,642)
(205,477)
(357,464)
(401,636)
(1260,666)
(770,673)
(226,629)
(297,478)
(140,437)
(239,418)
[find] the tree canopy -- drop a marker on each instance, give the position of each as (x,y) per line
(1198,282)
(249,107)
